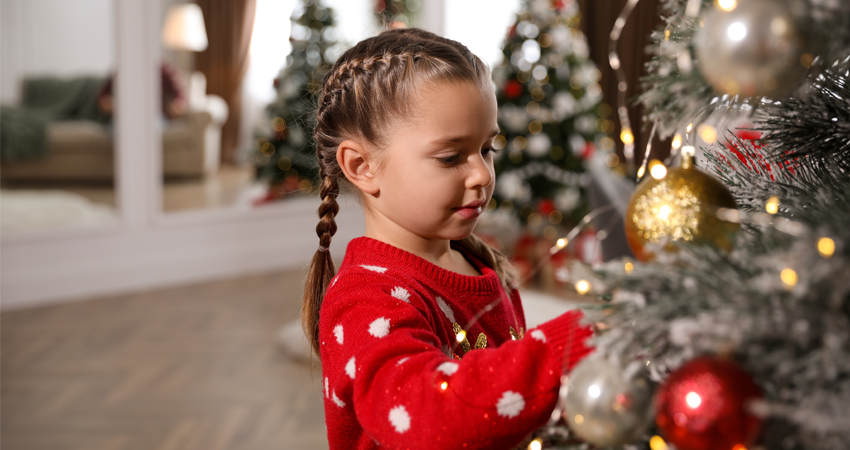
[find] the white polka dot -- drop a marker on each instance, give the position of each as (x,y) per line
(446,310)
(338,402)
(448,368)
(380,327)
(402,360)
(538,334)
(400,419)
(350,368)
(374,268)
(510,405)
(401,294)
(338,333)
(326,387)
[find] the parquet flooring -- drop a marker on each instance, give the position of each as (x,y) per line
(178,369)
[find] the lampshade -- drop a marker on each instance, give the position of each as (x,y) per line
(184,28)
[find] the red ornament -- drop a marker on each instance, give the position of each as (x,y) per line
(545,206)
(702,406)
(513,89)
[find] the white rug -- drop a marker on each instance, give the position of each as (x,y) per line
(22,210)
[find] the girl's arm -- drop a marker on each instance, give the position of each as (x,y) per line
(383,363)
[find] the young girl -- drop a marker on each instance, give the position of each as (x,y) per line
(409,119)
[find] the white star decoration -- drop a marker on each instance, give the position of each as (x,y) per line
(380,327)
(338,402)
(400,419)
(510,405)
(338,333)
(374,268)
(537,334)
(350,368)
(326,387)
(446,309)
(401,294)
(448,368)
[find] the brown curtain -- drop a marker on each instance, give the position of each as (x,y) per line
(598,19)
(229,26)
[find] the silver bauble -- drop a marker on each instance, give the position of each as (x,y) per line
(755,49)
(604,406)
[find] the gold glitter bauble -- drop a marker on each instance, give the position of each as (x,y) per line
(680,206)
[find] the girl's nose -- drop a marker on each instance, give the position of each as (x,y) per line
(480,174)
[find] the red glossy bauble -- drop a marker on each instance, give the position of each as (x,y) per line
(702,406)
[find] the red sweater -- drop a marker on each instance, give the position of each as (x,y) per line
(387,325)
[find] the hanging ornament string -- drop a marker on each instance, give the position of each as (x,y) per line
(626,135)
(642,169)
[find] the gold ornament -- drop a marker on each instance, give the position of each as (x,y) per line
(678,204)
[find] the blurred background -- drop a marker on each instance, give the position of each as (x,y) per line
(157,204)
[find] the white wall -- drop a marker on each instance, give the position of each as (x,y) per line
(61,37)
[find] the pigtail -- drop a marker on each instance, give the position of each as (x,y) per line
(493,258)
(322,269)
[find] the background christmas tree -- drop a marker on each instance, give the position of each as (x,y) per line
(550,117)
(284,150)
(707,348)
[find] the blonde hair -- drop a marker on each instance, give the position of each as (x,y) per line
(368,85)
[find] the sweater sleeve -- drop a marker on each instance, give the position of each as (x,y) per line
(383,362)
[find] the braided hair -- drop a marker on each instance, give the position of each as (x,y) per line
(370,86)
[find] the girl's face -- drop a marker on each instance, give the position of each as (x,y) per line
(436,175)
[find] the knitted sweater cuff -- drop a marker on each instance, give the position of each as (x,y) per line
(567,337)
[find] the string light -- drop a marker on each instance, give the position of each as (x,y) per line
(657,169)
(657,443)
(677,141)
(461,336)
(562,243)
(826,247)
(614,62)
(626,136)
(727,5)
(444,385)
(536,444)
(582,287)
(789,277)
(629,267)
(579,419)
(772,205)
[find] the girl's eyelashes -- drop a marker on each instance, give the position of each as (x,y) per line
(454,159)
(489,151)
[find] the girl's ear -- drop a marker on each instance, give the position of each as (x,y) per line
(356,167)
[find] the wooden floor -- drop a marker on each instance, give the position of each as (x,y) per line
(186,368)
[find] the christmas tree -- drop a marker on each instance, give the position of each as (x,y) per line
(550,117)
(396,13)
(285,153)
(734,335)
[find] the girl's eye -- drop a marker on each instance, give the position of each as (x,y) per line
(489,151)
(448,160)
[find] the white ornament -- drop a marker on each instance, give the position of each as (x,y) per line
(515,118)
(380,327)
(448,368)
(510,404)
(567,199)
(338,333)
(374,268)
(401,294)
(350,368)
(539,144)
(400,419)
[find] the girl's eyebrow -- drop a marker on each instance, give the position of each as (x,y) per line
(455,139)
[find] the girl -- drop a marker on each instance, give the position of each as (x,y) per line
(409,119)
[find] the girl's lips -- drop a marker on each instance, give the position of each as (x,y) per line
(470,213)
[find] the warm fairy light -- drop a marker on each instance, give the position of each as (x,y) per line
(727,5)
(690,127)
(658,171)
(594,391)
(444,385)
(693,400)
(677,141)
(707,133)
(739,447)
(461,336)
(689,151)
(582,287)
(772,205)
(657,443)
(641,171)
(579,419)
(627,137)
(789,277)
(826,247)
(664,212)
(629,267)
(535,444)
(562,243)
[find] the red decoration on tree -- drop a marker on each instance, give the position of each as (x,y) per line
(513,89)
(545,206)
(753,160)
(702,406)
(588,150)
